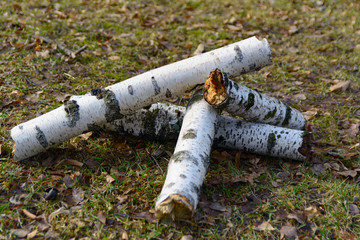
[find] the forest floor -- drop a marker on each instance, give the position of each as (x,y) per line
(108,184)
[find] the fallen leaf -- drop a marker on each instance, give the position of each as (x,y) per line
(20,233)
(109,179)
(74,162)
(311,212)
(92,163)
(265,226)
(124,236)
(288,231)
(29,214)
(122,199)
(32,234)
(102,217)
(317,169)
(187,237)
(297,217)
(340,86)
(200,49)
(78,195)
(51,235)
(113,58)
(354,209)
(150,217)
(44,54)
(218,207)
(86,136)
(59,211)
(310,114)
(348,173)
(69,182)
(299,96)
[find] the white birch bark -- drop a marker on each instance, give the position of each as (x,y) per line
(163,122)
(189,163)
(245,102)
(104,105)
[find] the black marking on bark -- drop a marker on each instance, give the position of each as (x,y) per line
(190,134)
(185,156)
(96,92)
(236,86)
(239,55)
(270,114)
(195,188)
(168,93)
(112,105)
(155,85)
(271,142)
(40,136)
(72,112)
(287,115)
(94,128)
(21,127)
(252,67)
(250,101)
(183,176)
(170,185)
(131,90)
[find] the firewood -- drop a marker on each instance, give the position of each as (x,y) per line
(250,104)
(189,163)
(81,113)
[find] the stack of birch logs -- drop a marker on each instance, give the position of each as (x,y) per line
(274,128)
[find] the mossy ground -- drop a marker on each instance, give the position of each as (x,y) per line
(315,44)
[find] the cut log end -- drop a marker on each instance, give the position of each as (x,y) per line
(175,207)
(214,88)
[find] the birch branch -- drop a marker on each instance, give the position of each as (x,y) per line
(242,101)
(163,122)
(189,163)
(80,113)
(66,50)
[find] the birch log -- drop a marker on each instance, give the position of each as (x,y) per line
(189,163)
(163,122)
(81,113)
(242,101)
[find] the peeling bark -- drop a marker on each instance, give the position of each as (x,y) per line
(242,101)
(189,164)
(163,122)
(128,96)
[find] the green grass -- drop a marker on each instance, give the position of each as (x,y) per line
(313,43)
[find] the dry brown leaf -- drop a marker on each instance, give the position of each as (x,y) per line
(354,209)
(86,136)
(187,237)
(147,215)
(122,199)
(297,217)
(69,182)
(113,58)
(299,96)
(340,86)
(288,231)
(74,162)
(29,214)
(311,212)
(32,234)
(20,233)
(109,179)
(200,49)
(348,173)
(44,54)
(265,226)
(310,114)
(102,217)
(124,236)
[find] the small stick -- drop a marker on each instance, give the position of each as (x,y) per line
(236,99)
(66,50)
